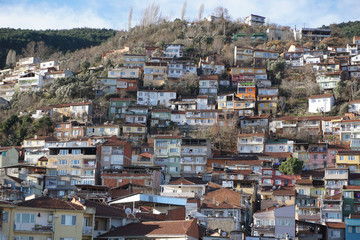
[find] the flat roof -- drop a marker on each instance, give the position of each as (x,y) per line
(140,197)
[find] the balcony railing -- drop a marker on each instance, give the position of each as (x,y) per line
(332,207)
(88,230)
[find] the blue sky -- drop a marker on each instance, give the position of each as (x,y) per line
(66,14)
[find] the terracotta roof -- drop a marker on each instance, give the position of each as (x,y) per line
(246,162)
(214,185)
(281,192)
(187,181)
(209,77)
(167,137)
(219,206)
(134,125)
(351,187)
(266,209)
(355,101)
(335,224)
(252,134)
(304,181)
(114,143)
(147,155)
(157,228)
(320,96)
(50,203)
(223,195)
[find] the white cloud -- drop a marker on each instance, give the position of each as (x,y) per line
(38,14)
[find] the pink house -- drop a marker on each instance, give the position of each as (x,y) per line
(318,155)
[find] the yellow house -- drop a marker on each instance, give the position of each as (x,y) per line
(46,218)
(134,131)
(349,159)
(155,73)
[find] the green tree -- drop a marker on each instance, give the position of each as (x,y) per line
(292,166)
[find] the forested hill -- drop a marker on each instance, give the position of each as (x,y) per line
(50,41)
(349,29)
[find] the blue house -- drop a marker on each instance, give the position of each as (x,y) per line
(352,227)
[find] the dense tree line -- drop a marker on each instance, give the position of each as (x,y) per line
(54,40)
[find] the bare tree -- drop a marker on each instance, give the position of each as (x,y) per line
(201,10)
(151,15)
(183,10)
(129,19)
(11,57)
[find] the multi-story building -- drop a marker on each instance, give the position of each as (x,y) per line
(348,160)
(253,19)
(68,130)
(47,218)
(155,97)
(312,34)
(174,50)
(251,143)
(308,199)
(194,155)
(160,118)
(134,60)
(335,179)
(246,90)
(209,85)
(263,55)
(137,114)
(155,74)
(30,82)
(114,154)
(267,99)
(350,132)
(167,151)
(118,106)
(70,163)
(131,73)
(331,208)
(328,80)
(351,200)
(352,227)
(321,103)
(36,147)
(134,131)
(201,117)
(103,130)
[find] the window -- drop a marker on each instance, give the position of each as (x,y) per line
(74,182)
(351,157)
(277,182)
(68,220)
(61,183)
(267,181)
(335,233)
(25,218)
(75,172)
(64,151)
(52,172)
(67,238)
(277,173)
(347,207)
(347,194)
(75,162)
(76,152)
(5,216)
(62,172)
(341,157)
(63,162)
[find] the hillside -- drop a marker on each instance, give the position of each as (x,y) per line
(47,42)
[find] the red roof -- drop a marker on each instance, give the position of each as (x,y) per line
(157,228)
(335,224)
(320,96)
(50,203)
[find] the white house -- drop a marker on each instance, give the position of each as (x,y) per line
(279,145)
(251,143)
(174,50)
(321,103)
(254,20)
(355,59)
(155,97)
(49,64)
(354,106)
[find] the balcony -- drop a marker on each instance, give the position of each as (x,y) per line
(332,207)
(87,230)
(19,227)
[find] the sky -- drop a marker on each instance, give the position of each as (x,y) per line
(67,14)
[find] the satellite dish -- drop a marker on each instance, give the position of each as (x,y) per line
(128,211)
(45,192)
